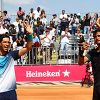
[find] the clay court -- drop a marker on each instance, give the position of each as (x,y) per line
(54,92)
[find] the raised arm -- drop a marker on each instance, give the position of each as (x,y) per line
(29,32)
(98,22)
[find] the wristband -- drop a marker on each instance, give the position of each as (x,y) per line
(29,37)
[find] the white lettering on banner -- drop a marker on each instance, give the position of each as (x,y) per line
(42,74)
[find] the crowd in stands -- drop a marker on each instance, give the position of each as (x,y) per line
(45,32)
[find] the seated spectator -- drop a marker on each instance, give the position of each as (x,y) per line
(64,41)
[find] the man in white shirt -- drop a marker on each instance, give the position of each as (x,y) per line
(63,19)
(37,13)
(46,47)
(64,40)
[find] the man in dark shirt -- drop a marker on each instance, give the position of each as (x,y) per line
(94,56)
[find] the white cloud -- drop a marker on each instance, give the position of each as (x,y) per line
(18,2)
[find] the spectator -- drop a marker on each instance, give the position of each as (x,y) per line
(3,29)
(31,16)
(64,41)
(87,24)
(20,44)
(36,45)
(20,13)
(6,18)
(37,13)
(46,47)
(63,19)
(12,32)
(55,20)
(16,24)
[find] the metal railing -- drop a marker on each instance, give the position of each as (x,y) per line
(49,55)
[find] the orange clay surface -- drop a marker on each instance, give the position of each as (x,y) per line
(54,92)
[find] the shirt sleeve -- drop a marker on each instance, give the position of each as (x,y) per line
(15,55)
(88,55)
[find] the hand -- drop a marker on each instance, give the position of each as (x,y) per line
(85,46)
(28,28)
(98,22)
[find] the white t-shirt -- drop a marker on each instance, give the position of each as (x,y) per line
(36,14)
(7,73)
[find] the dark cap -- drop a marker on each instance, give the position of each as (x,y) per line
(54,15)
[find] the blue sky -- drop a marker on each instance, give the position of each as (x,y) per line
(53,6)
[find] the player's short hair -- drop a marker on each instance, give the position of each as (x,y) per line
(4,36)
(94,32)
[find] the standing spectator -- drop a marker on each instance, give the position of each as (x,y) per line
(31,16)
(37,13)
(16,24)
(44,21)
(43,18)
(21,28)
(42,14)
(80,40)
(46,47)
(36,44)
(12,32)
(55,20)
(20,13)
(87,24)
(20,44)
(6,18)
(63,19)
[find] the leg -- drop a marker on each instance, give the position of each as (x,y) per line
(96,93)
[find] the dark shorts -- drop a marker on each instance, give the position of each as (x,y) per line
(96,93)
(9,95)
